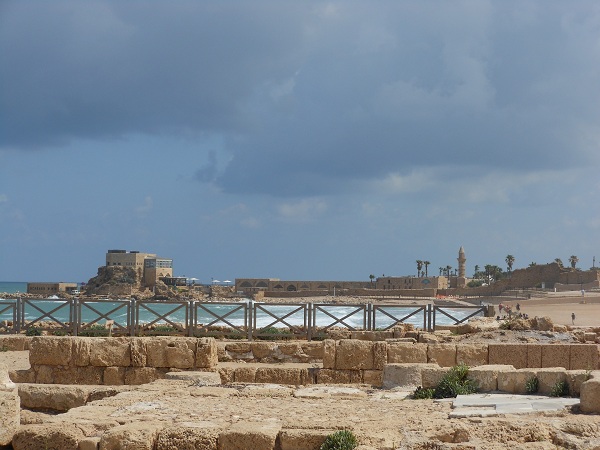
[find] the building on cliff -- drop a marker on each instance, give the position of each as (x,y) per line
(149,267)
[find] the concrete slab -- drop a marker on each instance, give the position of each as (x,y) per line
(485,405)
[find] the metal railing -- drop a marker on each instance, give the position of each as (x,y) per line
(220,319)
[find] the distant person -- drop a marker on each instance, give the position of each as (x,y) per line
(573,318)
(583,292)
(518,307)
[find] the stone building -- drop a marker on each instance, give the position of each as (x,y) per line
(50,288)
(148,266)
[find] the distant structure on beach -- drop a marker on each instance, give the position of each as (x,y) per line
(148,266)
(51,288)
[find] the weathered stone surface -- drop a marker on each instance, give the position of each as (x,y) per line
(548,377)
(47,437)
(239,347)
(556,355)
(472,354)
(17,343)
(245,374)
(444,355)
(44,374)
(188,437)
(106,352)
(51,350)
(280,375)
(133,436)
(227,374)
(250,435)
(508,354)
(583,356)
(373,377)
(143,375)
(353,355)
(289,348)
(56,397)
(81,351)
(590,394)
(403,352)
(486,377)
(314,350)
(89,443)
(171,352)
(333,376)
(138,350)
(207,355)
(431,375)
(114,376)
(262,350)
(576,378)
(329,349)
(515,381)
(9,415)
(379,355)
(404,375)
(534,355)
(299,439)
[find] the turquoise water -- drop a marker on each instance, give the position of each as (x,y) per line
(13,287)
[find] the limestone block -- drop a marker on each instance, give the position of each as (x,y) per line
(114,376)
(431,375)
(142,375)
(314,350)
(404,375)
(189,436)
(198,378)
(444,355)
(508,354)
(329,349)
(44,374)
(81,351)
(89,375)
(6,384)
(227,375)
(49,436)
(486,377)
(583,356)
(534,355)
(548,377)
(222,353)
(89,443)
(171,352)
(132,436)
(105,352)
(65,375)
(207,355)
(354,355)
(576,378)
(250,435)
(379,355)
(9,415)
(556,355)
(514,382)
(138,351)
(22,376)
(51,350)
(300,439)
(590,394)
(373,377)
(15,343)
(472,354)
(290,348)
(239,347)
(245,374)
(280,375)
(262,350)
(56,397)
(589,336)
(403,352)
(334,376)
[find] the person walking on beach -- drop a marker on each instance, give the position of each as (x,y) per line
(572,318)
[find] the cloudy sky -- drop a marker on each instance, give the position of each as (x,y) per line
(297,140)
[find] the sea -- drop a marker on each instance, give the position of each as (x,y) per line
(213,314)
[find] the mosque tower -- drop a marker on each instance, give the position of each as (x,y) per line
(462,268)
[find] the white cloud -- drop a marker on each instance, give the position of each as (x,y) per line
(303,210)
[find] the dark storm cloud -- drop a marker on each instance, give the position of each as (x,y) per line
(310,97)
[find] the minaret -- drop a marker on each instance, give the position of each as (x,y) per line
(462,265)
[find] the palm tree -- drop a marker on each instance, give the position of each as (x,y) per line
(419,266)
(559,262)
(510,259)
(441,270)
(448,269)
(532,263)
(426,264)
(476,271)
(372,277)
(573,260)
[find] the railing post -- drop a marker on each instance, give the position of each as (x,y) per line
(190,314)
(75,319)
(249,311)
(309,324)
(132,317)
(17,324)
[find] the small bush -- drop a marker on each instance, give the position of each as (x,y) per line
(94,330)
(33,331)
(3,349)
(272,334)
(560,389)
(532,385)
(455,382)
(423,393)
(340,440)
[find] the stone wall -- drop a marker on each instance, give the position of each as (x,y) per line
(113,361)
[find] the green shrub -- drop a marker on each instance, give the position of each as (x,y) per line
(273,334)
(423,393)
(164,329)
(340,440)
(455,382)
(560,389)
(532,385)
(94,330)
(59,333)
(33,331)
(3,349)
